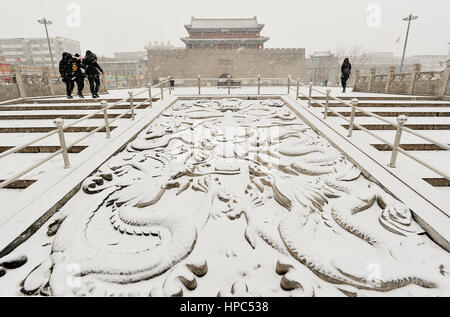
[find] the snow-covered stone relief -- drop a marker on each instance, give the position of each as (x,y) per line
(235,197)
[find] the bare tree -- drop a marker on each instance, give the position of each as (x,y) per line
(359,57)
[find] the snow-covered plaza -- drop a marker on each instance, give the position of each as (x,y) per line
(217,194)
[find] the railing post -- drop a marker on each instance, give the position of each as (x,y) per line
(310,94)
(229,84)
(352,118)
(105,115)
(389,79)
(105,83)
(414,75)
(198,83)
(355,84)
(289,84)
(401,120)
(371,79)
(162,90)
(49,76)
(150,98)
(327,101)
(445,79)
(298,89)
(16,70)
(259,84)
(170,87)
(130,93)
(59,123)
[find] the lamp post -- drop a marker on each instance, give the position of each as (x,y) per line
(48,22)
(409,18)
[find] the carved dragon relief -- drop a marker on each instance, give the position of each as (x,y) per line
(201,171)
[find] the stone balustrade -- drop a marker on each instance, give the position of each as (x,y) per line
(414,83)
(43,81)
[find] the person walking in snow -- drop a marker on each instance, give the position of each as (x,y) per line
(79,69)
(93,71)
(67,74)
(172,83)
(346,71)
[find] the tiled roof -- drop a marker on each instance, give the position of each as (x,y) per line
(224,23)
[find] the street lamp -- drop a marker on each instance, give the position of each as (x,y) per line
(409,18)
(48,22)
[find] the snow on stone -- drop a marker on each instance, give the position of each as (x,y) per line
(230,197)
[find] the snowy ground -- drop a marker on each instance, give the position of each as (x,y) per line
(258,232)
(19,161)
(233,198)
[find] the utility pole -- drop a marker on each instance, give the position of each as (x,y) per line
(48,22)
(409,19)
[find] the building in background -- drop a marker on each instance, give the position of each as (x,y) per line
(34,51)
(321,68)
(125,69)
(429,63)
(160,46)
(217,48)
(224,34)
(130,56)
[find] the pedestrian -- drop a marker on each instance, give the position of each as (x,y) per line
(79,69)
(66,72)
(93,71)
(346,71)
(172,83)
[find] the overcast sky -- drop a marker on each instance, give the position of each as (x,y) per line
(109,26)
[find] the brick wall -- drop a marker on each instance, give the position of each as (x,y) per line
(212,63)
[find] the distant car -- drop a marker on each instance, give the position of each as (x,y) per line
(223,82)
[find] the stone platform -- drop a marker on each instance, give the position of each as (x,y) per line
(239,195)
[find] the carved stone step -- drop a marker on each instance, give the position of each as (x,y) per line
(397,98)
(19,184)
(392,114)
(62,107)
(62,116)
(50,100)
(410,147)
(437,182)
(411,126)
(387,104)
(48,129)
(44,149)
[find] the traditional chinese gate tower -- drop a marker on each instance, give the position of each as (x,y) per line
(224,34)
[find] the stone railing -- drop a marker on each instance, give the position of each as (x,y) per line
(28,81)
(414,83)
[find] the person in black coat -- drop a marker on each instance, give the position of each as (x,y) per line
(79,70)
(346,71)
(93,71)
(66,72)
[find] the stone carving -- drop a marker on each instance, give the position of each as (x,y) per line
(237,186)
(11,262)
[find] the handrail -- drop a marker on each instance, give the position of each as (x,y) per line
(61,127)
(399,126)
(63,150)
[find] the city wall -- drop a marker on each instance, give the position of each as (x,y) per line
(213,63)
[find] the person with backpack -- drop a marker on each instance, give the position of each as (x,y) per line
(346,71)
(93,71)
(66,72)
(79,70)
